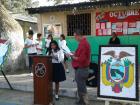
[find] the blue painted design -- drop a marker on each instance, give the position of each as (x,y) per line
(4,48)
(117,71)
(126,74)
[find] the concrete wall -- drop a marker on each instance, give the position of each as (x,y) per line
(26,26)
(44,19)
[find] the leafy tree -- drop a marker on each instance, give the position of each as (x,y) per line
(16,6)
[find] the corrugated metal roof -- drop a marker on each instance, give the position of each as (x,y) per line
(25,18)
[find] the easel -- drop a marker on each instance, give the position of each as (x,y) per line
(6,78)
(1,66)
(124,102)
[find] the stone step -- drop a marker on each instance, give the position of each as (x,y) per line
(8,103)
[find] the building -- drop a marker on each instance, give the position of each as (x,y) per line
(93,18)
(96,19)
(27,22)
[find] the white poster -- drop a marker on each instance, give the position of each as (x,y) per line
(108,25)
(125,31)
(138,24)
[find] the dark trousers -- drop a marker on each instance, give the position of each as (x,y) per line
(81,75)
(31,61)
(47,50)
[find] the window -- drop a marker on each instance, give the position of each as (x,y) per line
(79,21)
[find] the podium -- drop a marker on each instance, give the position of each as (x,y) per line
(42,70)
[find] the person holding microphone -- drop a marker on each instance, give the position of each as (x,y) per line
(58,69)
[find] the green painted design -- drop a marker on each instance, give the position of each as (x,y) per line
(127,62)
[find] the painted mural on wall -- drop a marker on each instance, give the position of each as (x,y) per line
(123,22)
(118,72)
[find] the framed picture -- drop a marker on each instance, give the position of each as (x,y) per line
(54,29)
(118,72)
(46,30)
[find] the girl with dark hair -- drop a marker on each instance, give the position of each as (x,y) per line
(58,69)
(63,46)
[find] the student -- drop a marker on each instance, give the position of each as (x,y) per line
(39,42)
(58,69)
(31,49)
(48,41)
(62,44)
(114,39)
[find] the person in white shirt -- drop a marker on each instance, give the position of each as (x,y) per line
(39,42)
(31,48)
(58,69)
(48,41)
(63,45)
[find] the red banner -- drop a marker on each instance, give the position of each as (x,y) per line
(121,22)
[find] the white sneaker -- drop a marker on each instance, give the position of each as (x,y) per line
(31,74)
(56,97)
(67,70)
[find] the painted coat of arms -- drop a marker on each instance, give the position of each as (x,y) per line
(118,72)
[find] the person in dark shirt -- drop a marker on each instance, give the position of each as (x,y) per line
(114,40)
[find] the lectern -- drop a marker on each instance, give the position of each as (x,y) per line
(42,70)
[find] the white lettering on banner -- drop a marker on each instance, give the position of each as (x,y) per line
(124,14)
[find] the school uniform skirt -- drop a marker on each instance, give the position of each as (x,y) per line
(58,72)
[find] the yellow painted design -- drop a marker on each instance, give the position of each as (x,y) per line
(104,76)
(121,85)
(131,76)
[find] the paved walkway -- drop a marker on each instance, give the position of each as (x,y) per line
(24,82)
(12,97)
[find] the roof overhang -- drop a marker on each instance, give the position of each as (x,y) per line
(82,6)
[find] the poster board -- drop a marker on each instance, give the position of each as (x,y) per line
(116,63)
(123,22)
(54,29)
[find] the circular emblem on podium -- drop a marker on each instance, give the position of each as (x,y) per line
(40,70)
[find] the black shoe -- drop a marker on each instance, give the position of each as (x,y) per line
(79,103)
(56,99)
